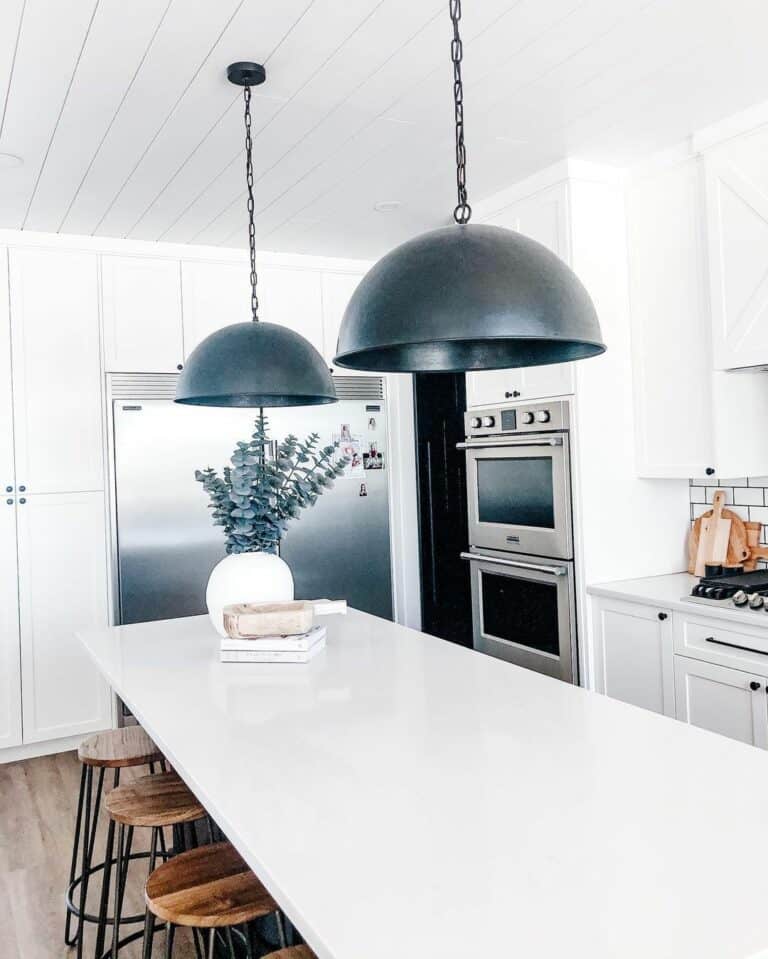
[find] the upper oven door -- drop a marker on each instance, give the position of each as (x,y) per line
(519,495)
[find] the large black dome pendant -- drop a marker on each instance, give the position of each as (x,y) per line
(254,364)
(468,298)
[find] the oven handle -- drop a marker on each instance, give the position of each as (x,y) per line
(517,564)
(500,444)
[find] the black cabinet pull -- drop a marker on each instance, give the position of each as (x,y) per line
(662,616)
(747,649)
(513,395)
(710,471)
(754,686)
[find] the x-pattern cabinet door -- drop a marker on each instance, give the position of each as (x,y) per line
(10,676)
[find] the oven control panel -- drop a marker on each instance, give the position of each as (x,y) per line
(531,418)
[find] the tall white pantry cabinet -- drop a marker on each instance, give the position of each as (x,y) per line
(54,520)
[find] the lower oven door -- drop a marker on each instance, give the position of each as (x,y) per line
(523,611)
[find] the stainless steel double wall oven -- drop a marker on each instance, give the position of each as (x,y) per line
(521,536)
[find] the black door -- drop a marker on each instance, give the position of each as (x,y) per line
(446,604)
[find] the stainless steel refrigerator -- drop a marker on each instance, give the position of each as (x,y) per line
(165,544)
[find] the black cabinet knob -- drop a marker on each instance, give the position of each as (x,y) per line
(22,489)
(22,501)
(180,366)
(9,502)
(662,616)
(710,471)
(754,686)
(8,489)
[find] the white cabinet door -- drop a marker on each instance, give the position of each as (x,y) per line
(633,651)
(337,292)
(62,588)
(544,218)
(56,371)
(214,295)
(737,234)
(293,298)
(723,700)
(141,300)
(10,677)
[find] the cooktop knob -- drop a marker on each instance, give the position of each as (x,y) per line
(543,416)
(529,417)
(489,421)
(755,601)
(740,598)
(474,422)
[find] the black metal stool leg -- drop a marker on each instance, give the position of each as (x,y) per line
(68,939)
(211,943)
(149,916)
(117,897)
(109,852)
(169,930)
(230,943)
(280,929)
(85,862)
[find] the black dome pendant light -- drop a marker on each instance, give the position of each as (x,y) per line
(254,364)
(467,297)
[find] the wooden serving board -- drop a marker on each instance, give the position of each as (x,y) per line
(738,549)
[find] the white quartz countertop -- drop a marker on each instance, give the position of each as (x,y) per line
(673,592)
(403,797)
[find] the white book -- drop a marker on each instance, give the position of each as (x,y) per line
(287,644)
(270,655)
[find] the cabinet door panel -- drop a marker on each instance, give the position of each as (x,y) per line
(56,371)
(10,677)
(720,699)
(633,655)
(141,299)
(62,588)
(293,298)
(214,295)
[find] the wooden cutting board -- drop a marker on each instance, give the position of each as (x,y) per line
(738,550)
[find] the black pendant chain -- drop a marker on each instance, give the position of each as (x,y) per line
(463,210)
(249,182)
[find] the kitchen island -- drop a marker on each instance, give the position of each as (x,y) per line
(403,798)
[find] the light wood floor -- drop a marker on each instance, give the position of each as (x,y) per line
(38,800)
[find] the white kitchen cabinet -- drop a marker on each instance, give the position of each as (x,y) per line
(723,700)
(542,217)
(633,653)
(10,676)
(337,290)
(213,295)
(141,306)
(57,403)
(293,298)
(736,177)
(690,420)
(62,588)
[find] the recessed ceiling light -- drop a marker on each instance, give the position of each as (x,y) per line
(9,160)
(386,206)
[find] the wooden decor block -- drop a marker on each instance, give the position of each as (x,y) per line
(256,620)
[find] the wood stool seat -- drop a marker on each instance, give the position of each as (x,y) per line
(162,799)
(292,952)
(119,748)
(207,888)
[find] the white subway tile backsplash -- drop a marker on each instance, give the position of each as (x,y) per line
(749,496)
(758,481)
(732,482)
(758,514)
(698,494)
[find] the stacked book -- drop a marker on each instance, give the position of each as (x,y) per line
(298,648)
(275,632)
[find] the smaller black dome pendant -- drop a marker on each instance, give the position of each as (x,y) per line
(467,297)
(254,364)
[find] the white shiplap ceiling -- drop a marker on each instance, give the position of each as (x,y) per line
(128,128)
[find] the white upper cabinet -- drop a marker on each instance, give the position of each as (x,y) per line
(337,292)
(737,241)
(62,589)
(56,379)
(214,295)
(10,678)
(542,217)
(141,304)
(633,654)
(293,298)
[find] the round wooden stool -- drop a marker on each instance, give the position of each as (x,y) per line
(209,888)
(114,749)
(153,802)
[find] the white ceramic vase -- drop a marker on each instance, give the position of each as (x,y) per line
(246,578)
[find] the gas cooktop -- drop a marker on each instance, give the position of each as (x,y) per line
(747,591)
